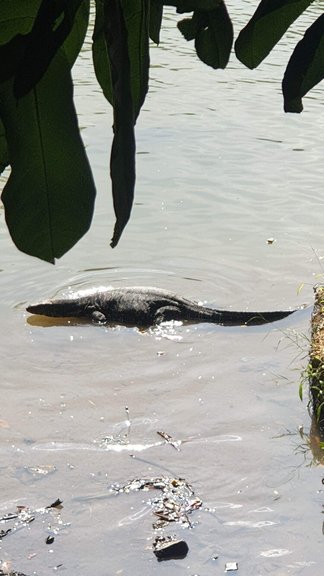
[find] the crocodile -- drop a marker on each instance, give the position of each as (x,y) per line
(144,306)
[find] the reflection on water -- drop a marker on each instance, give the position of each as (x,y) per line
(220,170)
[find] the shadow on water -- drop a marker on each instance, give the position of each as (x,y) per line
(49,322)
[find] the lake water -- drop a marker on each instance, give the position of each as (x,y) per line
(220,170)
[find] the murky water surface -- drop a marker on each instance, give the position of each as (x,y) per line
(220,170)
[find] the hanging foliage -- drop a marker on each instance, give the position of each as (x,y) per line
(50,193)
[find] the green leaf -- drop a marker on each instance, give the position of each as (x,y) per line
(136,18)
(17,17)
(52,25)
(305,67)
(74,40)
(100,55)
(213,42)
(49,196)
(268,24)
(300,391)
(16,21)
(122,161)
(213,34)
(121,60)
(189,27)
(22,51)
(156,15)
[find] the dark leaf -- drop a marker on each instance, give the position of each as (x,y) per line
(136,18)
(122,161)
(213,34)
(156,14)
(17,17)
(100,54)
(11,56)
(52,25)
(13,45)
(213,43)
(268,24)
(50,192)
(189,27)
(74,40)
(305,68)
(4,154)
(121,58)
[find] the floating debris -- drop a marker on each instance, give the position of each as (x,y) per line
(22,517)
(9,516)
(40,471)
(176,501)
(113,440)
(169,440)
(25,516)
(4,533)
(118,439)
(128,421)
(169,548)
(57,504)
(11,573)
(231,566)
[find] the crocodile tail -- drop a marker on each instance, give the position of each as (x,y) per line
(56,308)
(232,318)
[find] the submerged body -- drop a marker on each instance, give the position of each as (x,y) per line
(143,307)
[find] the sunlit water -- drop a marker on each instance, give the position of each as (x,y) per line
(220,170)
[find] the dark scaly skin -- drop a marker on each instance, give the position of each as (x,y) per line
(141,306)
